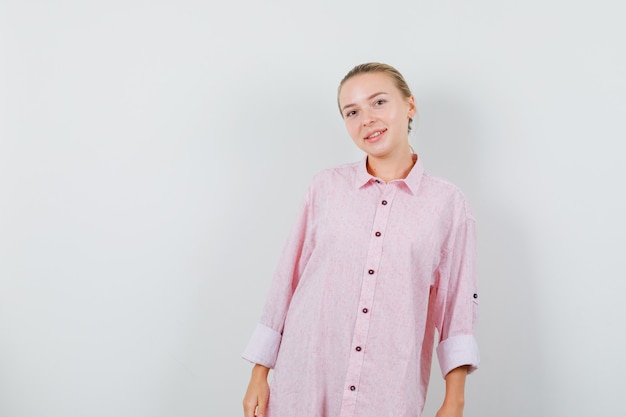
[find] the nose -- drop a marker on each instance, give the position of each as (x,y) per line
(367,118)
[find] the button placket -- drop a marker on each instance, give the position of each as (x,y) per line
(365,314)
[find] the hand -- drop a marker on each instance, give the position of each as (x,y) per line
(258,393)
(448,410)
(455,393)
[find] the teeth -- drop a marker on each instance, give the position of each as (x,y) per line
(375,134)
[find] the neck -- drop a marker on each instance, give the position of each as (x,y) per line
(391,168)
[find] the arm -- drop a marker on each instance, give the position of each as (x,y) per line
(258,393)
(455,393)
(265,341)
(456,299)
(262,350)
(455,315)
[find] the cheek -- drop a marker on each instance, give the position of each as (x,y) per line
(350,125)
(353,129)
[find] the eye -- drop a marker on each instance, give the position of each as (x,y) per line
(380,102)
(350,113)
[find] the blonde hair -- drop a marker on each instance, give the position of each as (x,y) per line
(388,70)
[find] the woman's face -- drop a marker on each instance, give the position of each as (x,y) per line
(376,114)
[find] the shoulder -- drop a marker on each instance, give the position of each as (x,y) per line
(337,175)
(446,193)
(331,181)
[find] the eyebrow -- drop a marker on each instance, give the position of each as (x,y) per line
(369,98)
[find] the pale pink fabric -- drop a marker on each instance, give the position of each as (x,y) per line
(367,274)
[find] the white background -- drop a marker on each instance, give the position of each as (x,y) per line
(153,154)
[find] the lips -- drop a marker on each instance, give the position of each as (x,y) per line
(375,134)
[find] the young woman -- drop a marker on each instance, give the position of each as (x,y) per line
(381,255)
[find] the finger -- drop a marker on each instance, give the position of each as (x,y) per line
(248,408)
(260,411)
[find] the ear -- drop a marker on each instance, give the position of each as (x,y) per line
(412,107)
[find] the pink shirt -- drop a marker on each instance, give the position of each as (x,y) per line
(368,273)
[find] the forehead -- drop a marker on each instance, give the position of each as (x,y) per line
(362,86)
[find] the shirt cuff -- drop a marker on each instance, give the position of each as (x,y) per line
(263,346)
(458,351)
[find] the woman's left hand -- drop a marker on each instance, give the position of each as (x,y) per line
(455,393)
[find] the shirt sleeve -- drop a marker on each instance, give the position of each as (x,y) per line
(265,341)
(456,302)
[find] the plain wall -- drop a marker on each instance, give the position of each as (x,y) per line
(153,154)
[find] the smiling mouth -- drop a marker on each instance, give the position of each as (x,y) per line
(375,134)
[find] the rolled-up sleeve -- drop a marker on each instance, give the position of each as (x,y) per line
(456,303)
(263,346)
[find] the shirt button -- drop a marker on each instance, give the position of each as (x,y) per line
(371,272)
(352,387)
(475,295)
(384,202)
(365,310)
(378,234)
(358,348)
(378,181)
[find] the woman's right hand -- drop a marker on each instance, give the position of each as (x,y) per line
(258,393)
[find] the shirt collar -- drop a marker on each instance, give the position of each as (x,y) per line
(412,181)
